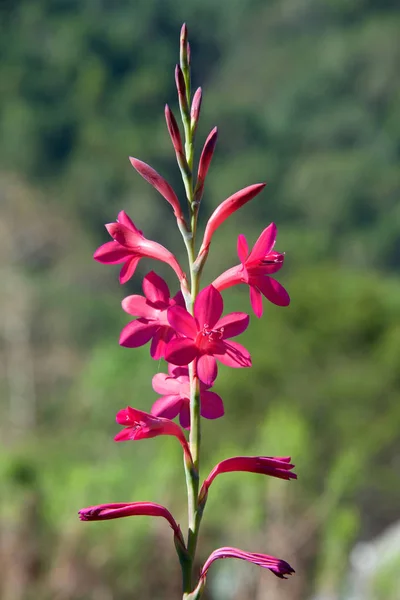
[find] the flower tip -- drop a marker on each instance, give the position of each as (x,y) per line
(184,31)
(111,228)
(134,161)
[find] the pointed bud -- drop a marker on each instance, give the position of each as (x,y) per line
(173,130)
(225,209)
(181,87)
(183,51)
(204,163)
(159,183)
(195,109)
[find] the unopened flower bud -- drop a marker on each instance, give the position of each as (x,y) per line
(184,50)
(181,87)
(173,130)
(195,110)
(204,163)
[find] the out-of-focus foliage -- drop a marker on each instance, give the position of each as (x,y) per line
(306,96)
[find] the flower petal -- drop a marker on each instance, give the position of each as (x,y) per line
(264,244)
(176,372)
(125,435)
(182,321)
(167,406)
(207,369)
(137,333)
(161,338)
(127,221)
(184,415)
(124,235)
(179,299)
(242,248)
(138,306)
(233,276)
(208,307)
(272,290)
(181,351)
(155,289)
(212,406)
(128,269)
(111,253)
(235,355)
(256,301)
(233,324)
(123,417)
(165,384)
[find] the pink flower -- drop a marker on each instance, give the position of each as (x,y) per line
(140,425)
(206,336)
(280,467)
(279,567)
(152,310)
(204,163)
(159,183)
(175,388)
(225,209)
(255,269)
(129,246)
(104,512)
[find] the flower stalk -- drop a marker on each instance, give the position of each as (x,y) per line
(190,332)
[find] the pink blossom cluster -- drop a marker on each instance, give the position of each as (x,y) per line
(188,329)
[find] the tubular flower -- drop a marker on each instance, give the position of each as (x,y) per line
(206,336)
(277,566)
(204,163)
(116,510)
(159,183)
(225,209)
(280,467)
(152,310)
(175,400)
(129,245)
(140,425)
(255,270)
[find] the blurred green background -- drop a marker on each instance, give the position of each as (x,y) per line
(306,96)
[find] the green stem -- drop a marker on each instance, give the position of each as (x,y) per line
(192,472)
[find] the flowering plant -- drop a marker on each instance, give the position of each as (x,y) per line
(190,333)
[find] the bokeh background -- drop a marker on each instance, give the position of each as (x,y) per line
(306,95)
